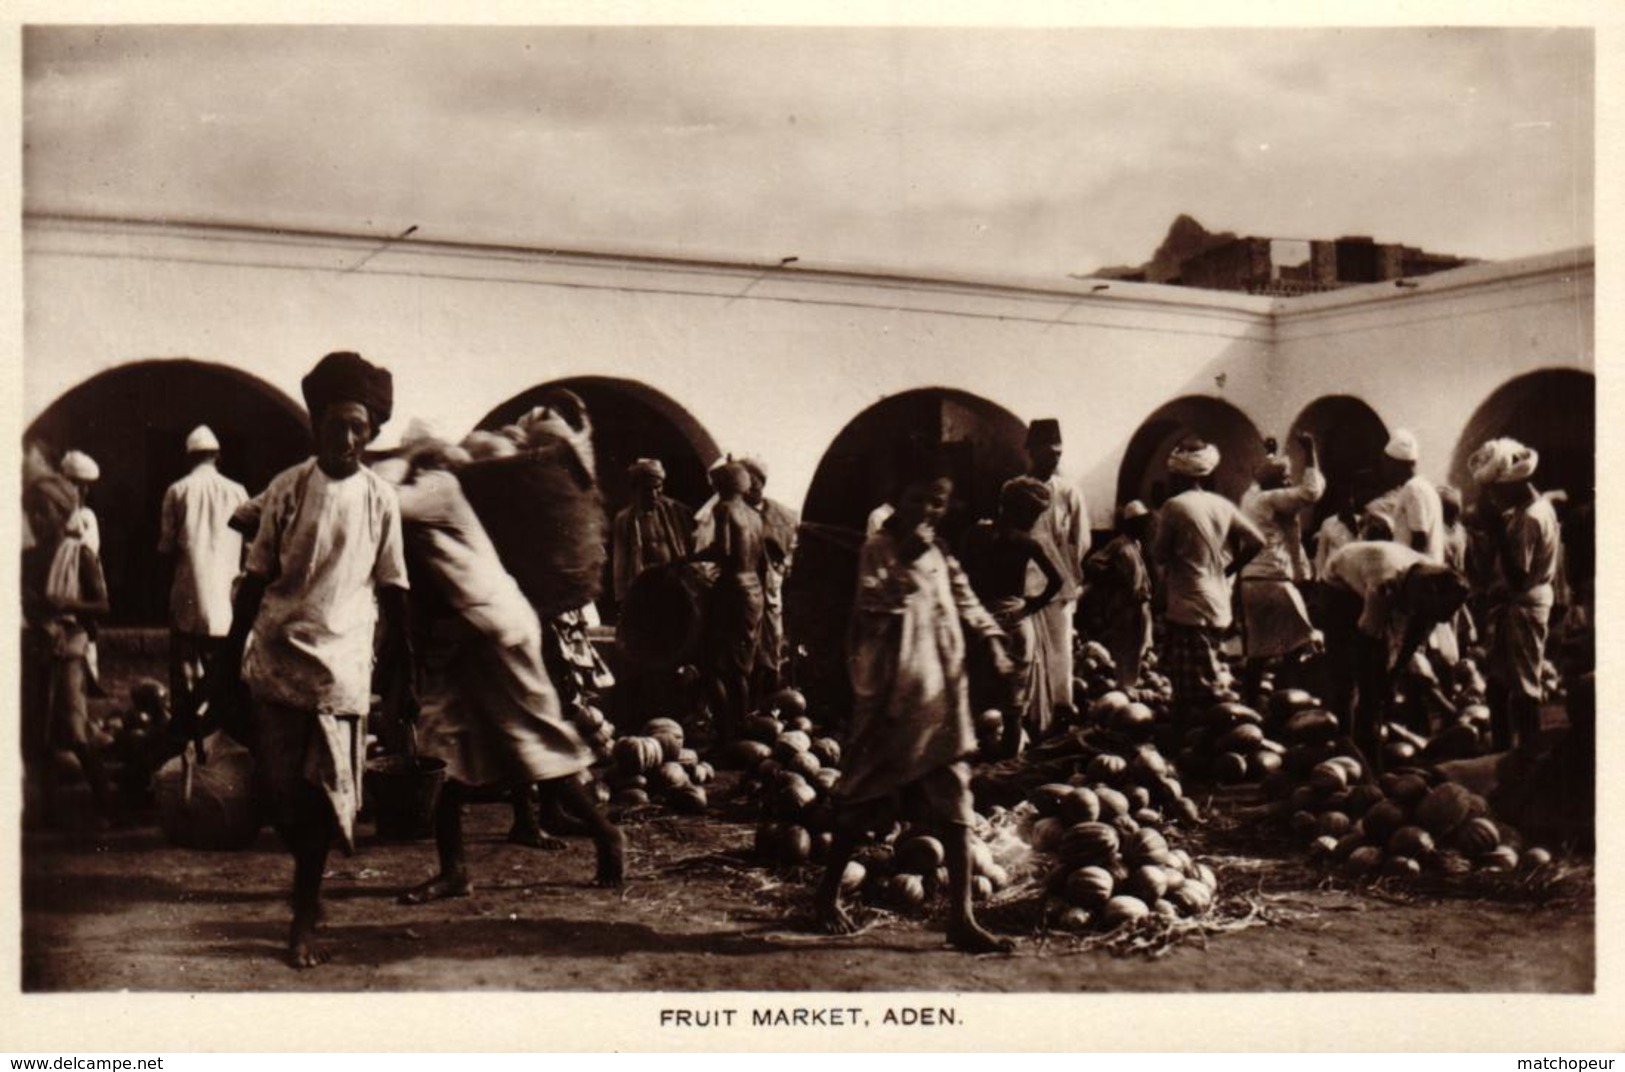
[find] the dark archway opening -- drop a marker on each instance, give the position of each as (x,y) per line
(984,442)
(133,420)
(1143,474)
(630,420)
(1555,412)
(1552,410)
(1349,437)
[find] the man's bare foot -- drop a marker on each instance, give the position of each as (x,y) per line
(611,861)
(834,919)
(969,937)
(440,888)
(303,952)
(534,837)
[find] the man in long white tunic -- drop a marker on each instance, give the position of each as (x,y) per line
(195,528)
(1063,532)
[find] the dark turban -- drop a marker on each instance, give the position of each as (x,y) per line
(347,377)
(1044,432)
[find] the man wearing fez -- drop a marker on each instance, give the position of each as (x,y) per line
(327,558)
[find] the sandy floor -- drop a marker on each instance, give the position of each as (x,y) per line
(123,910)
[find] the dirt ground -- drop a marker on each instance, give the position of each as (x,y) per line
(123,910)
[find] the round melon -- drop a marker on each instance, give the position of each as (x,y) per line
(1075,919)
(1168,788)
(852,877)
(1088,843)
(1148,817)
(1381,820)
(1229,768)
(1261,764)
(1284,703)
(905,891)
(763,728)
(1192,899)
(668,776)
(1135,720)
(768,838)
(687,799)
(1329,777)
(1089,887)
(1311,726)
(828,751)
(1046,836)
(790,743)
(1047,798)
(671,746)
(799,722)
(743,755)
(1123,910)
(805,764)
(920,855)
(1147,846)
(981,888)
(790,799)
(1334,824)
(1536,858)
(1243,739)
(657,726)
(1446,807)
(1081,805)
(1411,841)
(1138,796)
(1347,844)
(1322,848)
(1475,837)
(1361,799)
(688,758)
(1305,824)
(825,779)
(1406,789)
(1112,803)
(1189,811)
(1126,825)
(1502,858)
(788,701)
(1363,861)
(1401,867)
(1148,765)
(702,774)
(1148,883)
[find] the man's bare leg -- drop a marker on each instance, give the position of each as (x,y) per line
(607,838)
(452,881)
(964,932)
(827,901)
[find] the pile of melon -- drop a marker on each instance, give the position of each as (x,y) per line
(655,767)
(1097,677)
(1109,830)
(905,868)
(1408,822)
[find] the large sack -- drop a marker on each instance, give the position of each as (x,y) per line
(546,518)
(210,804)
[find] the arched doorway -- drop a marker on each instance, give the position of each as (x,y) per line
(984,442)
(630,420)
(1552,410)
(1144,472)
(133,419)
(1349,437)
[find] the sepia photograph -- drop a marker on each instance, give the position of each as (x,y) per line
(860,509)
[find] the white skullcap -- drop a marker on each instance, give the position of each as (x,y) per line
(77,465)
(1134,509)
(201,440)
(1402,446)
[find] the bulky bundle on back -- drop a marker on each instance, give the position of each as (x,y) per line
(544,514)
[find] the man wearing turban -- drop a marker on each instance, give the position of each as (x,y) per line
(652,530)
(1202,539)
(1526,538)
(1063,531)
(779,529)
(194,528)
(1412,508)
(327,557)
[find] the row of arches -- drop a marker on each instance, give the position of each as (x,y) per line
(134,419)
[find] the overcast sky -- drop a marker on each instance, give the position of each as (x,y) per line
(965,151)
